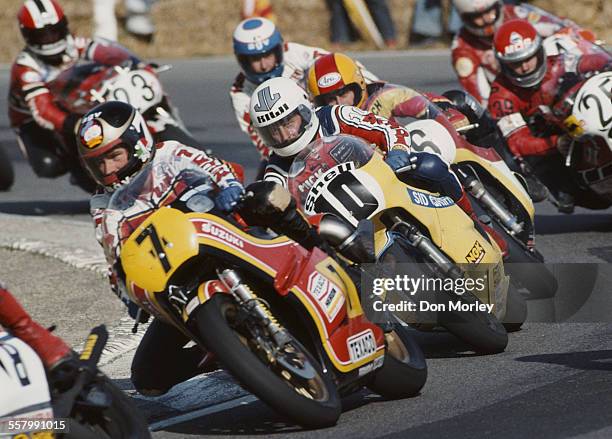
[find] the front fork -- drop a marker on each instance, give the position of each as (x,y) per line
(477,189)
(243,293)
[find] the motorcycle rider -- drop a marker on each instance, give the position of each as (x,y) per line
(45,132)
(521,99)
(262,54)
(454,109)
(286,120)
(472,48)
(114,145)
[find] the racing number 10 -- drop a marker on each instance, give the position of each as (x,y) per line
(151,232)
(345,190)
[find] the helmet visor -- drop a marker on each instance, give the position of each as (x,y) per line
(287,130)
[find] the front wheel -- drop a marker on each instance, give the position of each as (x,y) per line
(404,370)
(479,329)
(120,420)
(295,386)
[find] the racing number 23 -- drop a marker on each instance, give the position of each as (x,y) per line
(151,232)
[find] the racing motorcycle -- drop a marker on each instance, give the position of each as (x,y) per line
(584,110)
(498,196)
(286,322)
(89,406)
(345,176)
(87,84)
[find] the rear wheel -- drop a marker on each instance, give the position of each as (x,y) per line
(404,370)
(295,386)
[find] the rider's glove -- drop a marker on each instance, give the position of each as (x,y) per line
(229,196)
(399,159)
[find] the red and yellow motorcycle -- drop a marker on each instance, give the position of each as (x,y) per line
(286,322)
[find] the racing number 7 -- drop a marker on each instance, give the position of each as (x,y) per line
(151,232)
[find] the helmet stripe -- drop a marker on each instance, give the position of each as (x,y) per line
(42,12)
(324,66)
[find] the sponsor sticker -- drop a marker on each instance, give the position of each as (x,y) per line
(222,234)
(361,345)
(91,134)
(476,254)
(329,79)
(428,200)
(328,295)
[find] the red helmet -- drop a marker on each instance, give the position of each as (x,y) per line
(517,41)
(44,28)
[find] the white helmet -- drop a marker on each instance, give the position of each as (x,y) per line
(273,110)
(470,9)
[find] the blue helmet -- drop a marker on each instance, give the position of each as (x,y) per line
(253,38)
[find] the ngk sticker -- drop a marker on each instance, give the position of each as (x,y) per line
(327,294)
(361,346)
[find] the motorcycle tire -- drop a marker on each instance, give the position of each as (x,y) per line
(481,330)
(404,371)
(516,310)
(212,321)
(121,420)
(7,174)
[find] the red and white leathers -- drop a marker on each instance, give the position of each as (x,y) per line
(172,157)
(297,59)
(19,323)
(473,58)
(29,97)
(391,101)
(345,119)
(513,107)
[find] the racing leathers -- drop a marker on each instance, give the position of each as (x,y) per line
(162,344)
(297,59)
(431,171)
(45,132)
(526,119)
(19,323)
(473,58)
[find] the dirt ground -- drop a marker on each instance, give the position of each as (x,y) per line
(188,28)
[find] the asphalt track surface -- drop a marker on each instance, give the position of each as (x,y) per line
(554,380)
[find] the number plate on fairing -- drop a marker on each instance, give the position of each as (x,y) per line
(139,88)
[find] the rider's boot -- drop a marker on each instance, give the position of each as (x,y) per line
(464,203)
(17,321)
